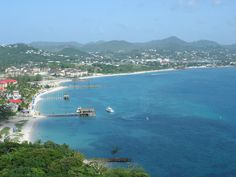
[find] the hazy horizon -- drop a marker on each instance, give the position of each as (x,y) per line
(113,40)
(133,21)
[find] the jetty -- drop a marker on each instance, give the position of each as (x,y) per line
(81,112)
(87,112)
(117,160)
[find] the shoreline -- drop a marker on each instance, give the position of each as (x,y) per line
(28,127)
(152,71)
(34,116)
(127,74)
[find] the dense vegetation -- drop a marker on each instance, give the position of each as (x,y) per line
(16,55)
(5,112)
(52,160)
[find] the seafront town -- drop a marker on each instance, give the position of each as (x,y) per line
(21,90)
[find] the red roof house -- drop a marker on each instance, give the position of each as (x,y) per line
(15,101)
(2,89)
(4,83)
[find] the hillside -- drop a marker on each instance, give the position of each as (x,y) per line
(73,52)
(19,54)
(118,52)
(110,46)
(54,46)
(52,160)
(171,43)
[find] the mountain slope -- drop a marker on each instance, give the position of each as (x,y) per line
(110,46)
(73,52)
(54,46)
(171,43)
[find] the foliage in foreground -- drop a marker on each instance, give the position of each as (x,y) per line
(5,112)
(52,160)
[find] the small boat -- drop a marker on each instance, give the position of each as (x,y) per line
(78,110)
(109,109)
(66,97)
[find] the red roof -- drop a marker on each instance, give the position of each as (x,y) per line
(2,89)
(15,101)
(6,81)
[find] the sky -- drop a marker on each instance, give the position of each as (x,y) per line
(131,20)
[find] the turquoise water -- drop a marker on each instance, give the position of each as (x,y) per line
(173,124)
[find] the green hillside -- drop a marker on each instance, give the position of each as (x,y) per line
(52,160)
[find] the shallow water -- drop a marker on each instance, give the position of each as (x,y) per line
(178,123)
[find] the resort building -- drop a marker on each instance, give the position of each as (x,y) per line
(6,82)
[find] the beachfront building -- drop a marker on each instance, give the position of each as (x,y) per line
(13,106)
(68,72)
(15,101)
(6,82)
(75,73)
(13,71)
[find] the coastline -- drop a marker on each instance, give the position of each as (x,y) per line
(127,74)
(28,127)
(19,127)
(34,116)
(152,71)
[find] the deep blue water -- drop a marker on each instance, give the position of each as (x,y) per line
(191,126)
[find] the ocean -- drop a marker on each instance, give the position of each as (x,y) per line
(172,124)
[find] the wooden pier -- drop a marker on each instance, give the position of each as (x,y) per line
(86,112)
(63,115)
(117,160)
(81,112)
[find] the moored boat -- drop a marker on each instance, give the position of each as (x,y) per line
(109,109)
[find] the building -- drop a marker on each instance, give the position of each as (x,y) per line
(16,95)
(6,82)
(13,72)
(15,101)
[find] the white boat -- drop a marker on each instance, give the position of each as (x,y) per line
(78,110)
(109,109)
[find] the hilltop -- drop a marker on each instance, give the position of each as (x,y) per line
(118,56)
(173,43)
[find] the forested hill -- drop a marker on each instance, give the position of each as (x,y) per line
(54,46)
(118,53)
(172,43)
(52,160)
(16,54)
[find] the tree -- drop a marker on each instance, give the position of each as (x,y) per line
(5,112)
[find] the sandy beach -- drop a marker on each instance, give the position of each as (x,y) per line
(18,128)
(126,74)
(28,127)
